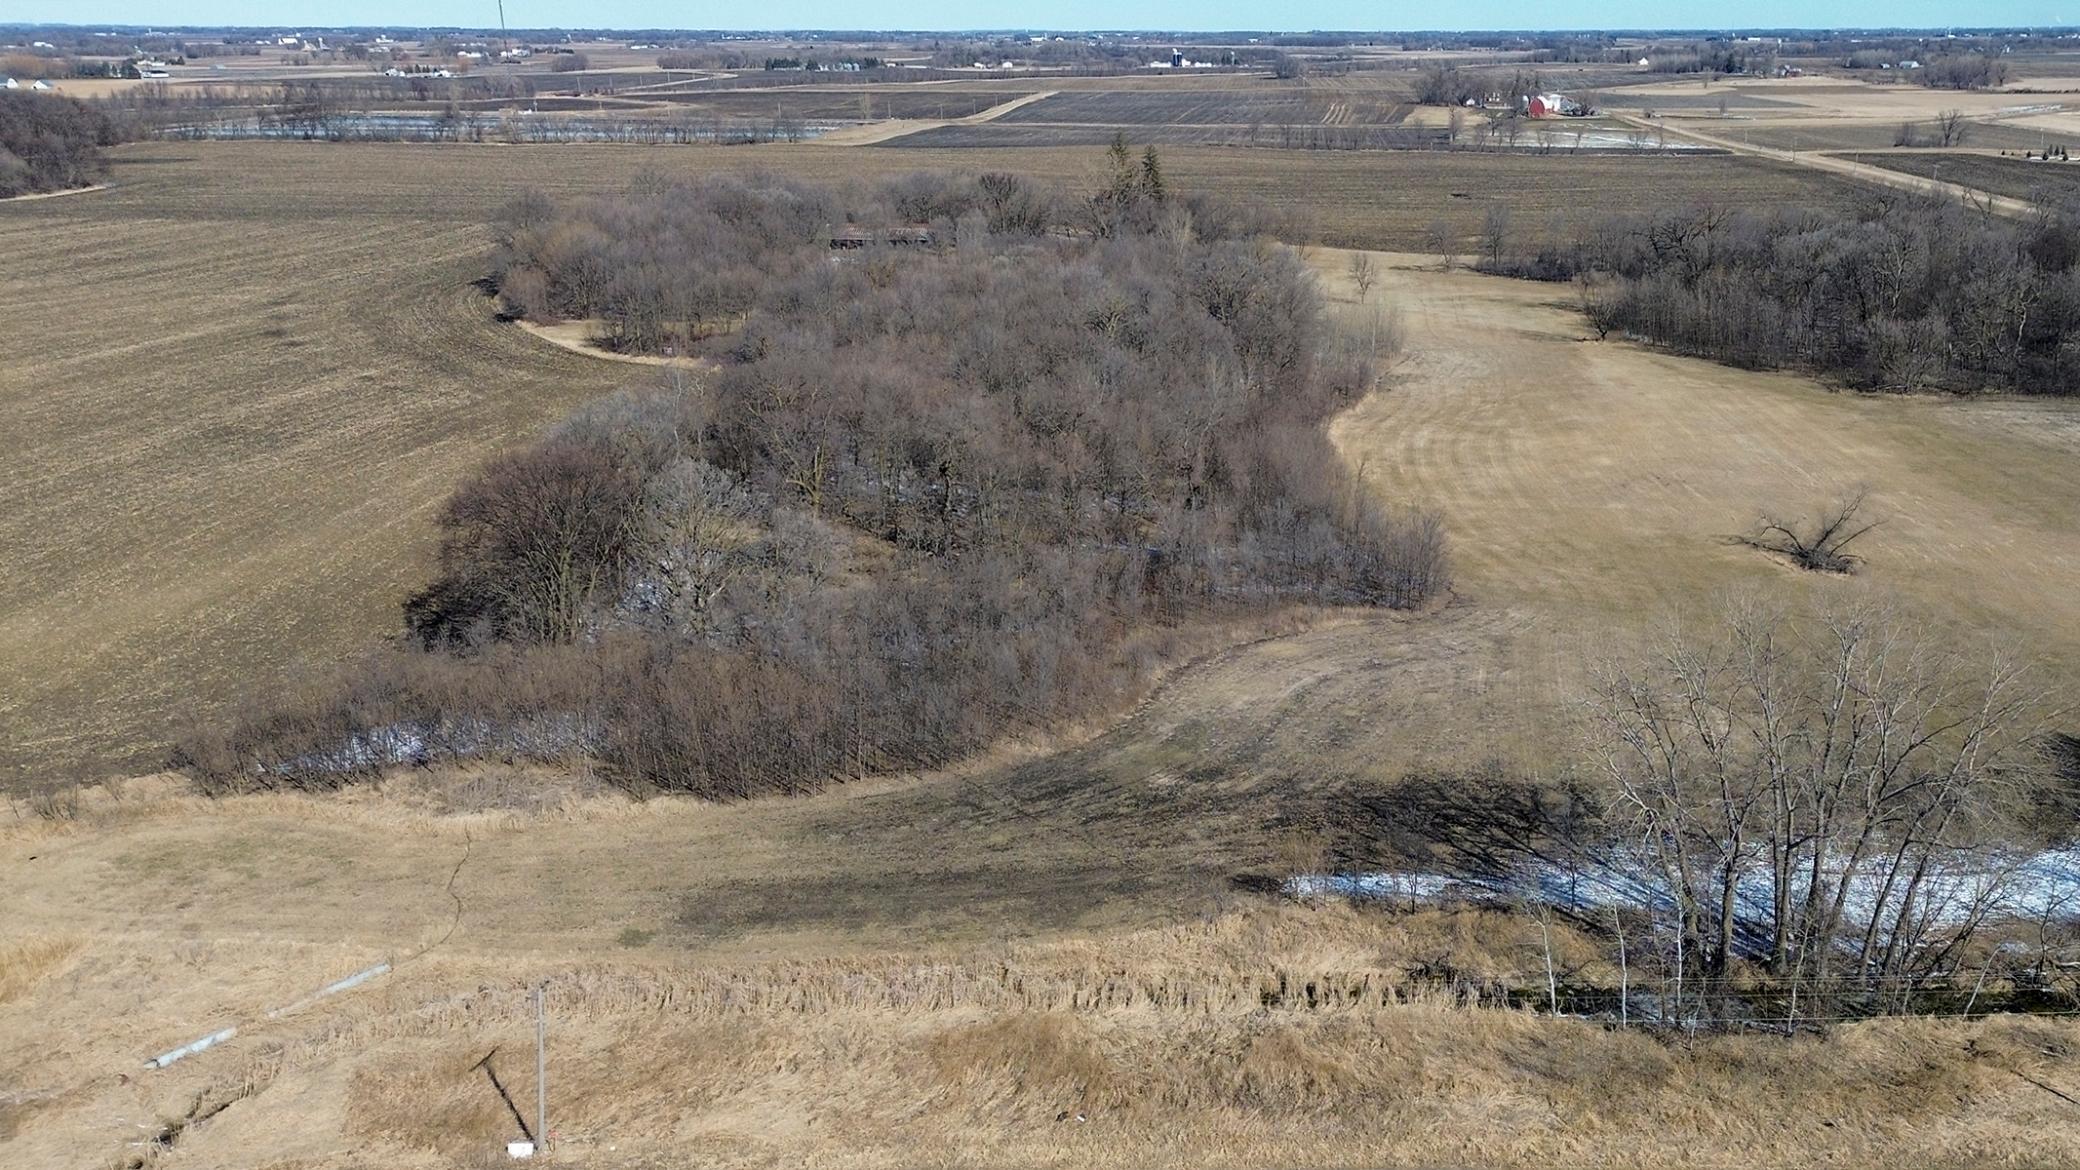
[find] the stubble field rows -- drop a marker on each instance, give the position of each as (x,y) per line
(1214,107)
(2048,183)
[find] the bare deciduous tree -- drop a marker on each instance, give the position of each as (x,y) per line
(533,541)
(1362,272)
(1951,128)
(1443,242)
(1835,790)
(1819,542)
(1495,232)
(1595,306)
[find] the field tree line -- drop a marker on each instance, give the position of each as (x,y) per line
(1907,293)
(923,497)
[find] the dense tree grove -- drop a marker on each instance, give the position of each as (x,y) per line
(1451,85)
(50,143)
(966,454)
(1909,294)
(1963,71)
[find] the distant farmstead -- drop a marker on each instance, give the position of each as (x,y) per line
(1553,105)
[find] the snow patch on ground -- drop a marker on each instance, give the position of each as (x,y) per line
(2045,884)
(422,741)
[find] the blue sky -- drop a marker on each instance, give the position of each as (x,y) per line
(955,14)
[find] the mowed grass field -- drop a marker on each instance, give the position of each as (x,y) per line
(1595,491)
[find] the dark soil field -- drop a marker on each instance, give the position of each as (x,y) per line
(1704,99)
(2046,182)
(861,104)
(1873,136)
(1214,107)
(1003,133)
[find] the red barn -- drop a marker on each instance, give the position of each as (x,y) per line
(1553,105)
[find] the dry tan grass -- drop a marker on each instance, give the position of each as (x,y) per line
(1592,489)
(55,194)
(919,971)
(1153,1048)
(24,962)
(899,1028)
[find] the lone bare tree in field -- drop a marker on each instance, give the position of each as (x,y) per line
(1444,243)
(1363,273)
(1495,231)
(1819,543)
(1951,128)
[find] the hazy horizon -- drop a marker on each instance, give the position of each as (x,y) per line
(1148,15)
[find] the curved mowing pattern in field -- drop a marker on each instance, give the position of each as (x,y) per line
(1595,485)
(232,409)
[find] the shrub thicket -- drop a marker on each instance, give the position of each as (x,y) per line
(1909,294)
(50,143)
(957,477)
